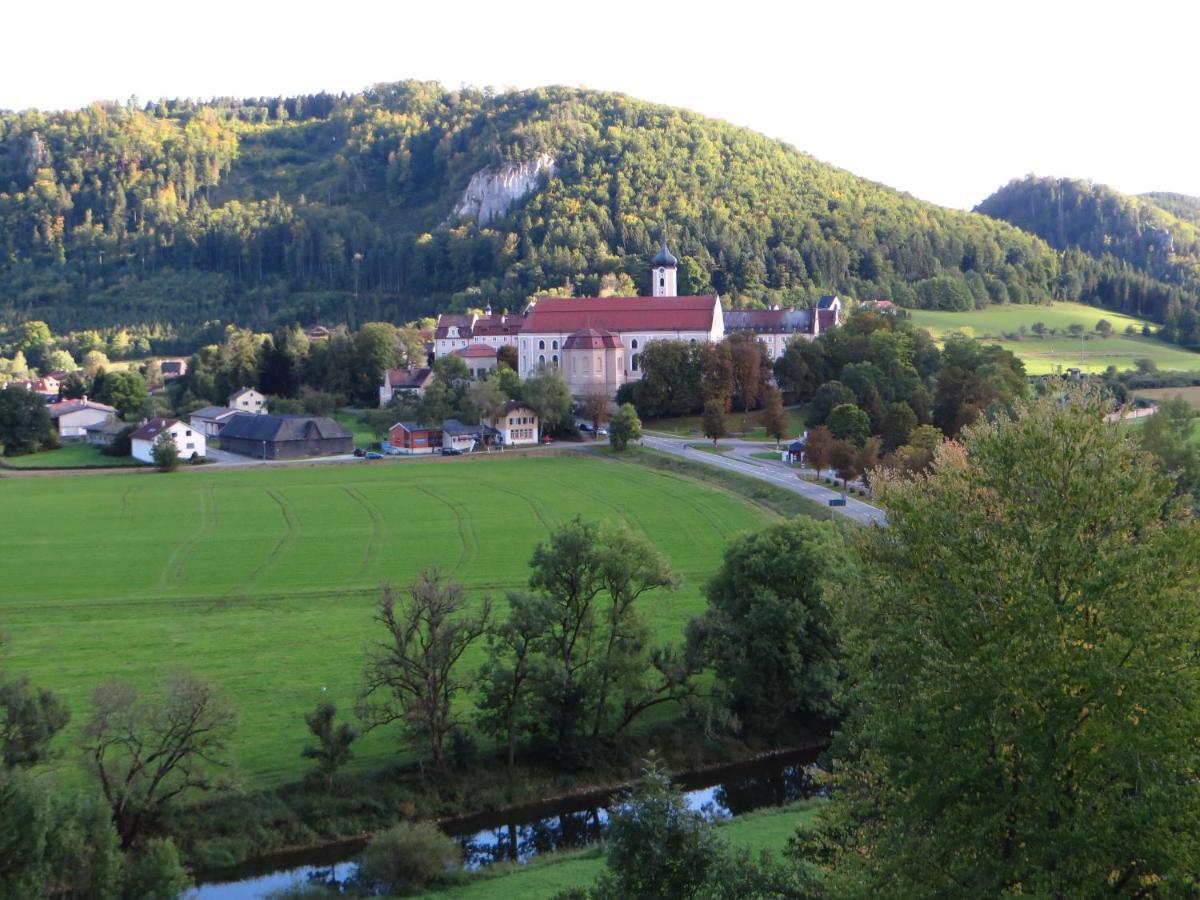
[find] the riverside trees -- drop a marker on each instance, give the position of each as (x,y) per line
(1023,666)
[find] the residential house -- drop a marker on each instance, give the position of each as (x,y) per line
(317,333)
(285,437)
(398,381)
(103,433)
(46,387)
(173,368)
(516,425)
(456,331)
(189,442)
(468,438)
(411,438)
(211,419)
(72,417)
(248,400)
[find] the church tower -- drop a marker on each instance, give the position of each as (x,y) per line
(662,274)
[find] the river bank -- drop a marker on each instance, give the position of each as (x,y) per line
(519,834)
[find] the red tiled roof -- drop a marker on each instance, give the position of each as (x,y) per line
(476,351)
(152,429)
(569,314)
(591,339)
(477,326)
(408,378)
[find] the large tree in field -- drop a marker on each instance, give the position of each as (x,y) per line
(411,675)
(148,752)
(29,720)
(768,631)
(25,423)
(1023,650)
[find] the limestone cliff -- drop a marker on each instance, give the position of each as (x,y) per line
(493,190)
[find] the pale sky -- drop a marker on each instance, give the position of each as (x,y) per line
(946,100)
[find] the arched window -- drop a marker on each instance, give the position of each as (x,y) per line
(554,345)
(541,360)
(633,362)
(554,358)
(542,346)
(633,343)
(692,341)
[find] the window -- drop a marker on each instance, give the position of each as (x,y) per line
(554,345)
(188,433)
(555,357)
(633,344)
(541,359)
(191,446)
(541,345)
(633,362)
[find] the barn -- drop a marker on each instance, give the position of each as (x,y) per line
(285,437)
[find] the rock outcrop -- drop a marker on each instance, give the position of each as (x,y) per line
(493,191)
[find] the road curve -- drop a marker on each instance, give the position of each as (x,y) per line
(771,472)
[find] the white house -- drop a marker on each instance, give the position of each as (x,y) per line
(74,416)
(211,419)
(457,331)
(188,441)
(248,400)
(517,425)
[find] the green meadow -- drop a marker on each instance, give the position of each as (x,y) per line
(266,578)
(1050,354)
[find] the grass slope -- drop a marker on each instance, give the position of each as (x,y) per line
(546,876)
(747,426)
(1047,355)
(70,456)
(266,579)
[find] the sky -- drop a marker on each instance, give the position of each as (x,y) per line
(947,101)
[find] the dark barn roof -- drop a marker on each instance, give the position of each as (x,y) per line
(248,426)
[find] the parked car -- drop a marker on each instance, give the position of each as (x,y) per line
(546,439)
(374,455)
(451,451)
(583,426)
(360,452)
(601,432)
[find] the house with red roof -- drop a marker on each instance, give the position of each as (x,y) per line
(399,381)
(459,331)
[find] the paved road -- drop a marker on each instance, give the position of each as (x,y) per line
(771,471)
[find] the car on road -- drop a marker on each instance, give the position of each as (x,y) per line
(374,455)
(546,439)
(451,451)
(583,426)
(360,452)
(601,432)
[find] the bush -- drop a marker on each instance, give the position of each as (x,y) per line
(407,857)
(156,873)
(120,445)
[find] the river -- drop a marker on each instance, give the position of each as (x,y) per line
(523,832)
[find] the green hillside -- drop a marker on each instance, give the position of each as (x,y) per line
(1124,253)
(1056,349)
(1179,205)
(341,209)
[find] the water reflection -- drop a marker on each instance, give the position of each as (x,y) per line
(520,834)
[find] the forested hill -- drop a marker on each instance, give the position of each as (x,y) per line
(1139,255)
(342,208)
(1179,205)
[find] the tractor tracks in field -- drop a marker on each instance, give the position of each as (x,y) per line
(378,530)
(466,527)
(172,572)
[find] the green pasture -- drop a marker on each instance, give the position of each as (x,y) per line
(71,456)
(545,876)
(747,426)
(266,579)
(1047,355)
(364,435)
(1157,395)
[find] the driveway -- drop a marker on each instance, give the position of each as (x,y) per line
(770,471)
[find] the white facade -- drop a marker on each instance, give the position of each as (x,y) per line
(73,425)
(518,426)
(545,348)
(188,441)
(663,281)
(248,400)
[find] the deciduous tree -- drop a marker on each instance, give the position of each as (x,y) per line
(146,752)
(411,676)
(775,421)
(332,750)
(714,421)
(625,427)
(1022,650)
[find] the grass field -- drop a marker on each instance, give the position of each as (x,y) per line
(364,436)
(1050,354)
(546,876)
(70,456)
(266,579)
(747,426)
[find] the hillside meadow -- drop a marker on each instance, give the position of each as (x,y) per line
(266,578)
(1048,355)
